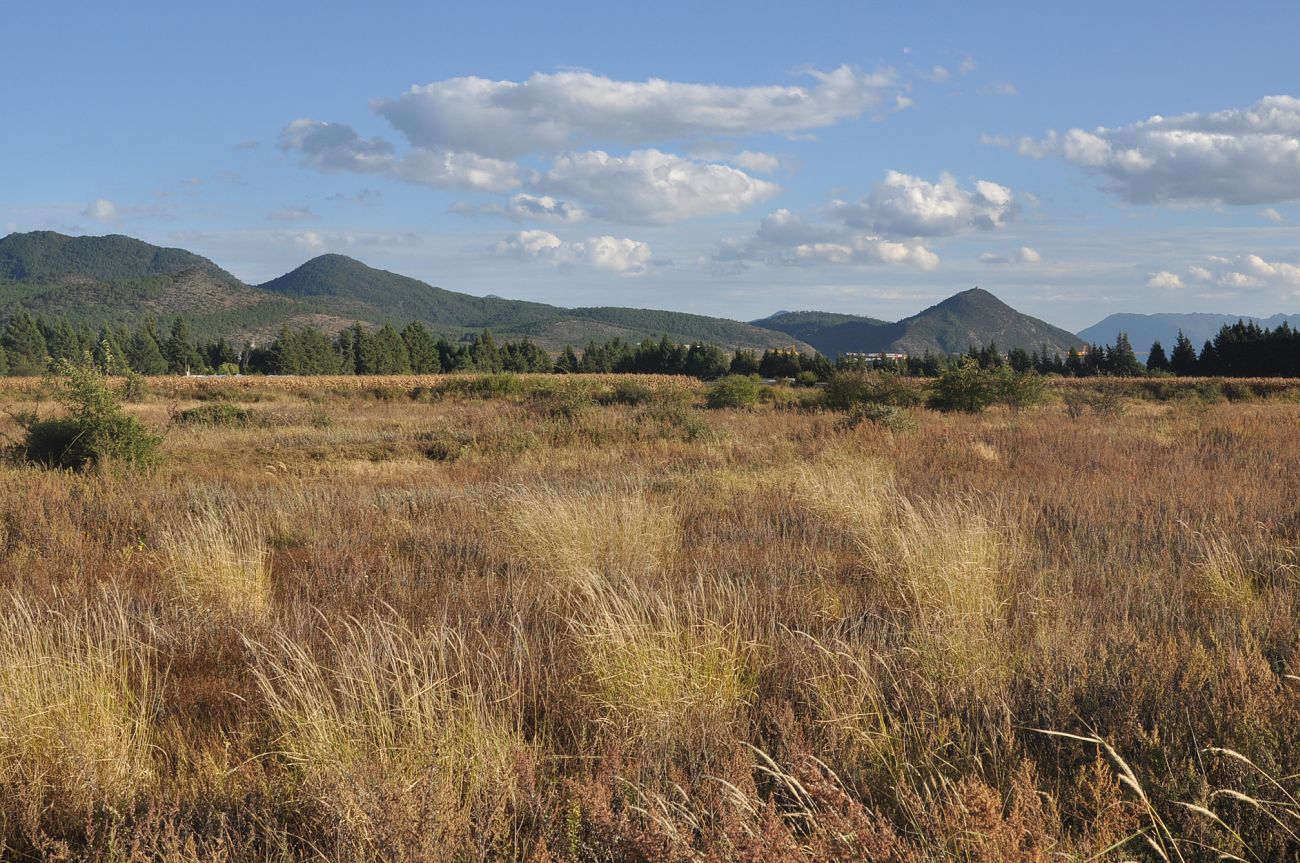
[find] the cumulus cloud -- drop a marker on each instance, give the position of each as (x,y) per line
(762,163)
(967,66)
(624,256)
(101,210)
(1241,156)
(336,147)
(903,205)
(1271,214)
(787,238)
(1028,255)
(1239,273)
(652,187)
(557,112)
(1165,281)
(544,208)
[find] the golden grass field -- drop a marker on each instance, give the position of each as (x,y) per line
(384,622)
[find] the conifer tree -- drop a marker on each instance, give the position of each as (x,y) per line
(143,354)
(1183,359)
(24,344)
(179,351)
(1157,361)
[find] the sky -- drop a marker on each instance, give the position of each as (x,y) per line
(719,158)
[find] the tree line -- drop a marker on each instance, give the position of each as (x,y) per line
(29,345)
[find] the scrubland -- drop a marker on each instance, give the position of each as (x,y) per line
(399,621)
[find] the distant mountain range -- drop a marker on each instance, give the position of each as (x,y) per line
(973,317)
(120,281)
(1142,330)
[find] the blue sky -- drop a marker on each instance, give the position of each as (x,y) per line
(729,159)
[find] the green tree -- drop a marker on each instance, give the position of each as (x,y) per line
(1157,361)
(143,354)
(1183,359)
(421,349)
(180,352)
(24,343)
(567,363)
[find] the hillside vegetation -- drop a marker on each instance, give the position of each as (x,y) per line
(970,318)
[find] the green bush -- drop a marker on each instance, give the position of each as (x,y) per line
(733,391)
(964,388)
(1018,390)
(95,431)
(215,414)
(847,388)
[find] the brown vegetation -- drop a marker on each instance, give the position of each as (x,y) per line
(389,620)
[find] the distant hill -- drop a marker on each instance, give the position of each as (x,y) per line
(1144,329)
(973,317)
(117,280)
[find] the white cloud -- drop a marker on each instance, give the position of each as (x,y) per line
(1025,255)
(555,112)
(544,208)
(762,163)
(101,210)
(967,66)
(787,238)
(1272,215)
(994,259)
(903,205)
(938,74)
(1165,281)
(1241,272)
(1028,255)
(624,256)
(652,187)
(336,147)
(1240,156)
(999,88)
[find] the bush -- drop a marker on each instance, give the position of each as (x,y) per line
(632,393)
(888,416)
(733,391)
(215,414)
(965,387)
(96,429)
(846,389)
(1018,390)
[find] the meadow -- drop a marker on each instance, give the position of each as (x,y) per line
(587,619)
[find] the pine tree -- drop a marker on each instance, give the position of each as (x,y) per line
(24,344)
(568,361)
(1183,359)
(143,353)
(1156,359)
(422,349)
(181,354)
(1121,360)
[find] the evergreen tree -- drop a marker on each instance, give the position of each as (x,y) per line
(1183,359)
(744,363)
(108,353)
(567,363)
(1121,360)
(421,349)
(143,354)
(24,344)
(384,353)
(1156,359)
(179,351)
(4,362)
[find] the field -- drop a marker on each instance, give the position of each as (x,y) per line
(542,620)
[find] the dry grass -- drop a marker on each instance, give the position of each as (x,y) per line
(397,620)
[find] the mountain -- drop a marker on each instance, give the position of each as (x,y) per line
(1144,329)
(973,317)
(117,280)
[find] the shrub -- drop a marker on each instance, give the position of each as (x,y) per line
(632,393)
(965,388)
(228,369)
(888,416)
(95,430)
(846,389)
(135,388)
(215,414)
(1018,390)
(733,391)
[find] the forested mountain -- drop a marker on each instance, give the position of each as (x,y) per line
(120,281)
(1199,327)
(973,317)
